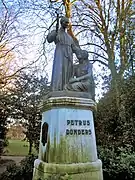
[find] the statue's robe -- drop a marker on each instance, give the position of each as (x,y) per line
(63,59)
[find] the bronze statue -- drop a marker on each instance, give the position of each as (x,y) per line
(82,79)
(63,57)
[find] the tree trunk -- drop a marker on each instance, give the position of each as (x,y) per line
(30,147)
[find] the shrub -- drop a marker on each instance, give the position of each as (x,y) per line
(25,171)
(22,172)
(118,164)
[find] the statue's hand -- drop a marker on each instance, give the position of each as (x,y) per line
(78,79)
(72,80)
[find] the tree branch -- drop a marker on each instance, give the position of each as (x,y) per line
(98,55)
(94,45)
(101,62)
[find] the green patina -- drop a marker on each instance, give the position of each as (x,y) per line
(45,176)
(63,157)
(73,171)
(62,169)
(65,151)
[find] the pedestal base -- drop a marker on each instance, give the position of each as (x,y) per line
(67,140)
(79,171)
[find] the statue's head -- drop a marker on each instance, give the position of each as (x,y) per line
(82,55)
(64,22)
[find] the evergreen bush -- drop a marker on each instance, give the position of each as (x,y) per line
(117,164)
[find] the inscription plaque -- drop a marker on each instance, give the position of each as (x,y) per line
(83,127)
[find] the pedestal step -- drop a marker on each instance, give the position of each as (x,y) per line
(79,171)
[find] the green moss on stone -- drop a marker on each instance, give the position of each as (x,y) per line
(65,151)
(91,171)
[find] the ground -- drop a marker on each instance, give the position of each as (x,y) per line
(6,160)
(17,148)
(15,152)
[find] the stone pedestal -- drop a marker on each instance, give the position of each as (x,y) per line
(67,141)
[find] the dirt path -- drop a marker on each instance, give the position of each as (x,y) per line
(9,160)
(17,159)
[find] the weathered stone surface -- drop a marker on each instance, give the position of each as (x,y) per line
(67,99)
(71,135)
(85,171)
(82,79)
(66,93)
(67,142)
(63,57)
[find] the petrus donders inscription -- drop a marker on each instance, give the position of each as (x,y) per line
(78,127)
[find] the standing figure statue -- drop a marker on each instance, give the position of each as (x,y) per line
(82,79)
(63,57)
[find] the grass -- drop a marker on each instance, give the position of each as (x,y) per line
(18,148)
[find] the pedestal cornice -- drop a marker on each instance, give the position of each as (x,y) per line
(65,101)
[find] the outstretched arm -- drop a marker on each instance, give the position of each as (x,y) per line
(87,76)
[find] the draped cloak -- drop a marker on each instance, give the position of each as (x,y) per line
(63,59)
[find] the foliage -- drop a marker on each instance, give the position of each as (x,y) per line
(106,121)
(9,34)
(110,129)
(4,115)
(3,131)
(118,163)
(22,172)
(115,136)
(25,171)
(28,93)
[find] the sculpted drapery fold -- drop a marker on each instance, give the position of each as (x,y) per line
(63,57)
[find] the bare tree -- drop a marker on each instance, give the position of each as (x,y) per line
(12,41)
(104,28)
